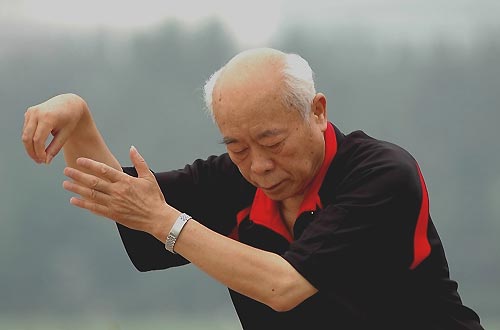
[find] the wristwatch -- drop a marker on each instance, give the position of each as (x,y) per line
(175,231)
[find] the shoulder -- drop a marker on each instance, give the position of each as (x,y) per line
(373,166)
(214,166)
(361,150)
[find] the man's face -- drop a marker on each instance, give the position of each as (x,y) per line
(274,148)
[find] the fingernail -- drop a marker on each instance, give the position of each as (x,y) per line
(49,159)
(133,148)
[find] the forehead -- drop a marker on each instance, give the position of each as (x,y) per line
(253,113)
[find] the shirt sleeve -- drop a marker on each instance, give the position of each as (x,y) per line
(210,190)
(366,234)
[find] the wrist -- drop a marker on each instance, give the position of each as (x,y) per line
(76,115)
(75,104)
(82,110)
(175,231)
(165,219)
(84,132)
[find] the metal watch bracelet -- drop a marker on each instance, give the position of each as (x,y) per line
(175,231)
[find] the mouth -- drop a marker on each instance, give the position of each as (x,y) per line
(273,187)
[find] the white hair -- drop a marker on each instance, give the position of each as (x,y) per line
(208,90)
(298,86)
(298,78)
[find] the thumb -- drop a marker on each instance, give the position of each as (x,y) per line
(139,163)
(56,144)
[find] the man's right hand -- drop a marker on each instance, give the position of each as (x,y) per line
(58,116)
(68,118)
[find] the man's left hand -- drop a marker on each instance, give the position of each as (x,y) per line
(137,203)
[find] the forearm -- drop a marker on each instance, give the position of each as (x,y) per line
(258,274)
(138,203)
(86,140)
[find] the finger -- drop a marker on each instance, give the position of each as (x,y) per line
(27,137)
(91,206)
(41,134)
(26,119)
(86,193)
(101,170)
(139,163)
(88,180)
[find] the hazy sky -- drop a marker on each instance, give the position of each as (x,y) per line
(254,22)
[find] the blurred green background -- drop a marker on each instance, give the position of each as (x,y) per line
(425,75)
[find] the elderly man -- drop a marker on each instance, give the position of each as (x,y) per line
(306,226)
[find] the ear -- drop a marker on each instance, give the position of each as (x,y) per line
(319,111)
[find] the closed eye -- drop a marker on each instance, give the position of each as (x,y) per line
(239,152)
(275,147)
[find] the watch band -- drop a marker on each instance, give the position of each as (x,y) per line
(175,231)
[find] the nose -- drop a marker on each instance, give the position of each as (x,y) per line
(261,164)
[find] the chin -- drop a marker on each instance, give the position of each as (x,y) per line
(278,196)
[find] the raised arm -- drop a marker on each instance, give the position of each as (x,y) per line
(68,118)
(138,203)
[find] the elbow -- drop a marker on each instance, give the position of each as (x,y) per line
(142,267)
(283,305)
(286,294)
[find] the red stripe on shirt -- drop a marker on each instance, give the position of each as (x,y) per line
(421,245)
(239,218)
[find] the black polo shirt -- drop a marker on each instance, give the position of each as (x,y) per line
(364,238)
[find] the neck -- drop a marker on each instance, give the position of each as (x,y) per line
(291,204)
(288,210)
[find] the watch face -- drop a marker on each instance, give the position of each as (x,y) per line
(175,231)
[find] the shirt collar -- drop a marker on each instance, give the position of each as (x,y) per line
(264,211)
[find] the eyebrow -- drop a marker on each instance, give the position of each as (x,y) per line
(270,132)
(267,133)
(228,140)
